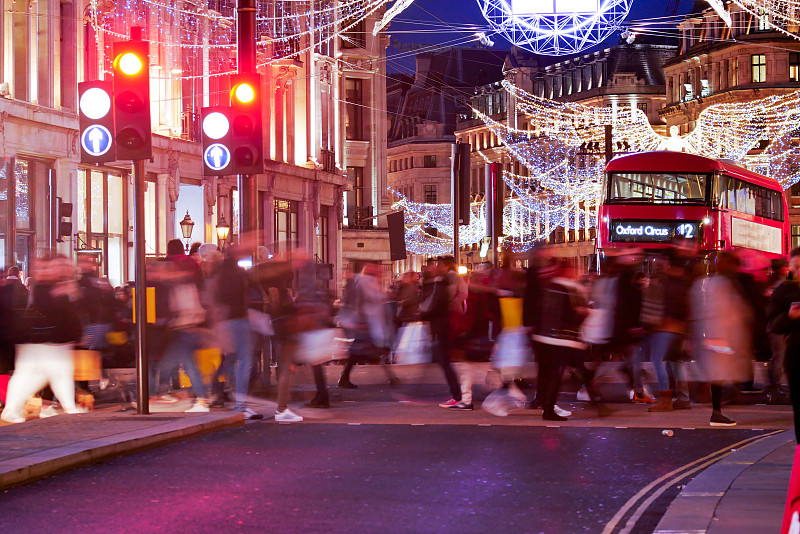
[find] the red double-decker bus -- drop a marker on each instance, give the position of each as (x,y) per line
(650,199)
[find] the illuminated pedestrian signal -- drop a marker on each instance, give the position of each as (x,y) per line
(132,100)
(96,122)
(246,136)
(216,127)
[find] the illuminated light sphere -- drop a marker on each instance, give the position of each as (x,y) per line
(244,93)
(130,63)
(95,103)
(555,27)
(216,125)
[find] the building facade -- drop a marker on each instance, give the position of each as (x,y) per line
(424,120)
(324,139)
(719,64)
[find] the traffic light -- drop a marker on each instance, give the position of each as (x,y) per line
(96,120)
(246,126)
(64,226)
(216,126)
(132,100)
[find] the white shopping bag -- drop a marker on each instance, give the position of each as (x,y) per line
(413,344)
(320,346)
(513,349)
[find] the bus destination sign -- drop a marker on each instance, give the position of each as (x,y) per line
(622,231)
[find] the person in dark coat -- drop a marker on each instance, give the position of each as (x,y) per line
(783,318)
(435,308)
(13,299)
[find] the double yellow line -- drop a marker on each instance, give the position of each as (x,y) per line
(661,484)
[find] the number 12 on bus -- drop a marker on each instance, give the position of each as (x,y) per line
(653,199)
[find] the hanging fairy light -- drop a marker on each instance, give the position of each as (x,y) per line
(562,185)
(283,28)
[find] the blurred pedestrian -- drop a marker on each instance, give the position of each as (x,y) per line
(783,316)
(776,394)
(434,308)
(366,320)
(187,315)
(408,298)
(722,322)
(47,332)
(665,311)
(233,325)
(13,301)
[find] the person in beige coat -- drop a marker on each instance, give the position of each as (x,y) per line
(722,322)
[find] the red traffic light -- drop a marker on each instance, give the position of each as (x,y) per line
(132,100)
(246,136)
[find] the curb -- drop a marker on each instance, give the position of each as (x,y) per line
(693,510)
(25,469)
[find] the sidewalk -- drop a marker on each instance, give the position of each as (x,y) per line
(43,447)
(741,494)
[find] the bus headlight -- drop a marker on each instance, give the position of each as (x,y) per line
(706,220)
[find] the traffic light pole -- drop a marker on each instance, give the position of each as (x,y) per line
(248,184)
(140,302)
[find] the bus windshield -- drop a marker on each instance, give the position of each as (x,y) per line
(657,188)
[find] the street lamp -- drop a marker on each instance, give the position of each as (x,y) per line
(223,229)
(187,225)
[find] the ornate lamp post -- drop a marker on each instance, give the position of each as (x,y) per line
(223,229)
(187,225)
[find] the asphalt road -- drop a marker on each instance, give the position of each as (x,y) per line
(367,478)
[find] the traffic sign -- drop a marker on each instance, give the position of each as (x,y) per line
(96,140)
(217,157)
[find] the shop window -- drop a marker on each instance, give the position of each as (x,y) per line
(794,67)
(100,217)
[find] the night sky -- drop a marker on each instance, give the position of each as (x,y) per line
(437,14)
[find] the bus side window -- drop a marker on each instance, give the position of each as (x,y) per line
(730,194)
(720,193)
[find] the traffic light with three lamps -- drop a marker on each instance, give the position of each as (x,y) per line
(216,127)
(246,134)
(96,121)
(132,100)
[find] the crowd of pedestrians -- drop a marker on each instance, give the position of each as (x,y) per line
(676,307)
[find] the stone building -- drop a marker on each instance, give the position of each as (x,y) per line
(424,120)
(324,140)
(717,64)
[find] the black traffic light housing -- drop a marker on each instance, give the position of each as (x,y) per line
(132,100)
(96,121)
(247,137)
(216,133)
(64,226)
